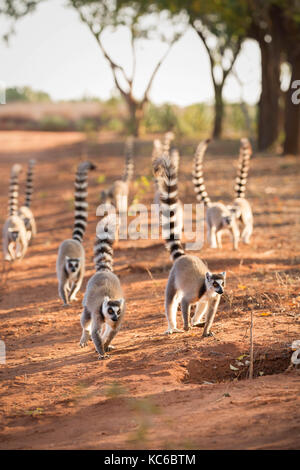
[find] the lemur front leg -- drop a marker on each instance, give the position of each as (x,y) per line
(63,292)
(85,321)
(97,340)
(213,307)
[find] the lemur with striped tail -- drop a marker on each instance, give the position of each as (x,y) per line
(14,236)
(164,150)
(24,211)
(219,217)
(190,281)
(70,263)
(117,193)
(104,303)
(241,206)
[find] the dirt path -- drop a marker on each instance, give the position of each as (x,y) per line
(155,391)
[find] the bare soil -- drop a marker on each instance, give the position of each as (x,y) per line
(155,391)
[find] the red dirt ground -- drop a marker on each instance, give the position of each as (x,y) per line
(154,392)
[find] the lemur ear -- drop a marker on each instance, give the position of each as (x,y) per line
(67,258)
(208,276)
(224,274)
(105,301)
(122,301)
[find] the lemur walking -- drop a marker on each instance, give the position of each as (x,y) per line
(241,206)
(164,150)
(104,303)
(219,217)
(70,263)
(14,236)
(117,193)
(24,211)
(190,281)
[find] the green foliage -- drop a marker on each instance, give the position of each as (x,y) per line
(26,94)
(195,119)
(160,118)
(54,123)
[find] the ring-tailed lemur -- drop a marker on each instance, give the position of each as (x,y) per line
(164,150)
(70,263)
(218,216)
(104,303)
(117,193)
(24,211)
(190,281)
(241,206)
(14,232)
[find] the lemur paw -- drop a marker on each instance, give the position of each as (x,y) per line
(186,328)
(110,348)
(199,325)
(170,331)
(101,357)
(206,335)
(83,343)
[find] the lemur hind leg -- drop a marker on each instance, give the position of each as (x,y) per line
(171,306)
(185,310)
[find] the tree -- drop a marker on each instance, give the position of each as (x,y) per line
(223,51)
(99,16)
(222,39)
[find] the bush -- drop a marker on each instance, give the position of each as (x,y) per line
(160,118)
(54,123)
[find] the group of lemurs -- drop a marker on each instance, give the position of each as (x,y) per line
(190,283)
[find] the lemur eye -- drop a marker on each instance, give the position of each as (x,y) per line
(215,284)
(110,311)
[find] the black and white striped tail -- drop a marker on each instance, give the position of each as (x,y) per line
(166,176)
(81,206)
(129,165)
(198,178)
(14,189)
(103,248)
(29,183)
(243,168)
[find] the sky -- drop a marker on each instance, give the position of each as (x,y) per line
(54,51)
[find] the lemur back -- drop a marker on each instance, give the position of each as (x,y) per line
(70,263)
(14,236)
(241,206)
(25,211)
(189,280)
(117,193)
(218,216)
(104,303)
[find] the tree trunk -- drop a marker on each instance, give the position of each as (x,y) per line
(292,113)
(219,112)
(136,114)
(268,107)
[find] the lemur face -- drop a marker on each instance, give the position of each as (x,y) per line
(112,309)
(227,220)
(235,211)
(215,282)
(105,197)
(72,265)
(13,235)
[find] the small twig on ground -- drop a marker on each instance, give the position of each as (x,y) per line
(251,347)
